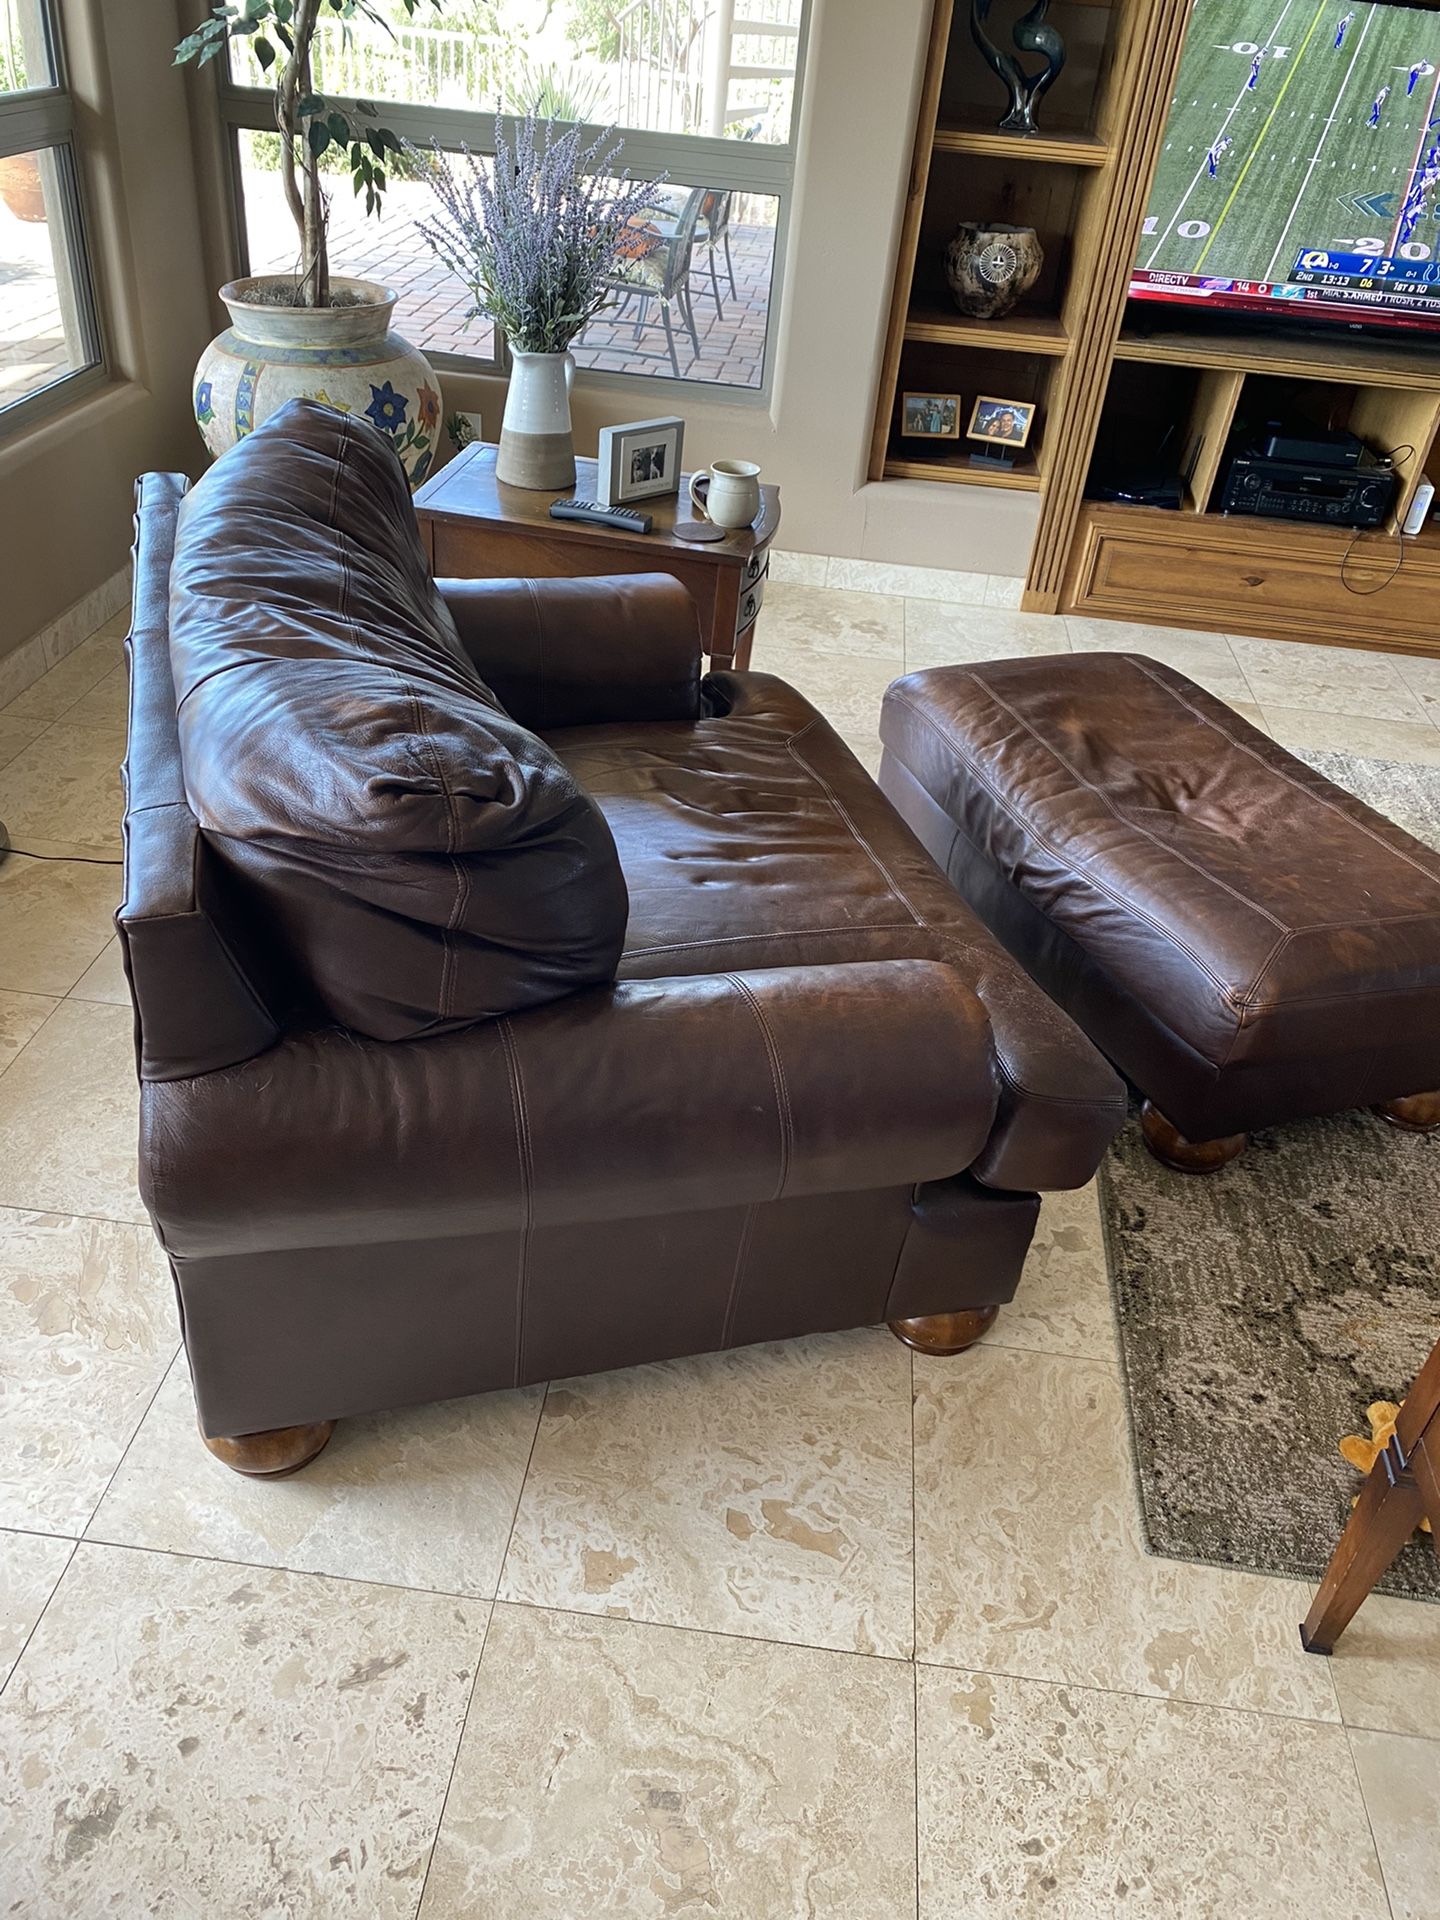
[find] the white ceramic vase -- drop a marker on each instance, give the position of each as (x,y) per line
(345,356)
(537,447)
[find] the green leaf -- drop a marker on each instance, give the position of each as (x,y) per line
(339,128)
(379,177)
(317,137)
(282,34)
(265,54)
(309,105)
(376,139)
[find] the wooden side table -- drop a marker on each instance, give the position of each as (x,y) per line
(475,528)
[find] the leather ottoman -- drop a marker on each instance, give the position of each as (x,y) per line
(1248,943)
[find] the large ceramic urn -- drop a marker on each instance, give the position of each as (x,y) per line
(344,355)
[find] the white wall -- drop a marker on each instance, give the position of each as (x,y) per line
(66,482)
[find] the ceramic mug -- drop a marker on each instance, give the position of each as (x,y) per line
(729,494)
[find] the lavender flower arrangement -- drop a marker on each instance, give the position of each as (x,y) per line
(539,235)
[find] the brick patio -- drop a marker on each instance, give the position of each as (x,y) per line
(433,303)
(32,332)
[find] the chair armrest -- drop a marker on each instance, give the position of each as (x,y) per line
(578,653)
(652,1097)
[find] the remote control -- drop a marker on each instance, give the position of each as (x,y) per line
(625,519)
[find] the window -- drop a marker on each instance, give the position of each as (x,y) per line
(49,339)
(704,94)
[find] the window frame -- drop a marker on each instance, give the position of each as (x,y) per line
(37,120)
(744,166)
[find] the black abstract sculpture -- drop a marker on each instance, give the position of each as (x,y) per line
(1031,35)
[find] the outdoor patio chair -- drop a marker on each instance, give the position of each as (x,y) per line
(662,273)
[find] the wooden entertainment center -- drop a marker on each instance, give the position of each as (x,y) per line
(1092,366)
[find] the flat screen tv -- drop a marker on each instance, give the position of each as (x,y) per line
(1299,173)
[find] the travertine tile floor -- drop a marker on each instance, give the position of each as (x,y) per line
(816,1630)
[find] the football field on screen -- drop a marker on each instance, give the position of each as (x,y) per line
(1304,168)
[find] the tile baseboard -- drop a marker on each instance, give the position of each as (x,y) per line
(24,664)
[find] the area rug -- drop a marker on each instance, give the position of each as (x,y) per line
(1262,1309)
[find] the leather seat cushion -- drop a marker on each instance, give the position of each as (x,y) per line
(755,838)
(1188,866)
(425,860)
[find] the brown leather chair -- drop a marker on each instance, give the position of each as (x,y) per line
(399,1142)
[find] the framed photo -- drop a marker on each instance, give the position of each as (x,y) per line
(930,416)
(640,460)
(1001,423)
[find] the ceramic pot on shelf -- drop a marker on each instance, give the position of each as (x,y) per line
(990,267)
(537,446)
(345,356)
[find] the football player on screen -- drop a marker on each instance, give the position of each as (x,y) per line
(1420,66)
(1254,80)
(1378,106)
(1216,155)
(1346,20)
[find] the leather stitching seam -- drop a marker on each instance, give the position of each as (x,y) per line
(1126,820)
(777,1080)
(539,618)
(1165,933)
(527,1187)
(1279,773)
(742,1253)
(849,825)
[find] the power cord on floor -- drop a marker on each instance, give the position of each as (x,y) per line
(65,859)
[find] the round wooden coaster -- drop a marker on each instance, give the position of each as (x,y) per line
(700,531)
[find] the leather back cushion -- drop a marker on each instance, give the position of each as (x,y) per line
(425,860)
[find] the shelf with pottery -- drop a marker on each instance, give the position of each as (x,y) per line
(1078,180)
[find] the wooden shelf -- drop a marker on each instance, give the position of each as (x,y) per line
(955,469)
(935,323)
(1061,147)
(1357,362)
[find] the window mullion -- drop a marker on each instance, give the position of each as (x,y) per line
(29,120)
(745,166)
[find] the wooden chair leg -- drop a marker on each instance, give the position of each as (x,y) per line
(272,1454)
(944,1333)
(1389,1509)
(1414,1113)
(1171,1148)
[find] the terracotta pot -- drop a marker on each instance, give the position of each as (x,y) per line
(991,268)
(345,356)
(20,187)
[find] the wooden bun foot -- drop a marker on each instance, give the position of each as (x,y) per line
(944,1333)
(274,1453)
(1172,1149)
(1414,1113)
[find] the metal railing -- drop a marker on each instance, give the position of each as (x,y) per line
(701,66)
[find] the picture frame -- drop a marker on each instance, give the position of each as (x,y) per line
(640,460)
(931,416)
(1001,423)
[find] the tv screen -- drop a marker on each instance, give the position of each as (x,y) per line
(1300,166)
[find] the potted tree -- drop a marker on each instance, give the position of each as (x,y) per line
(309,332)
